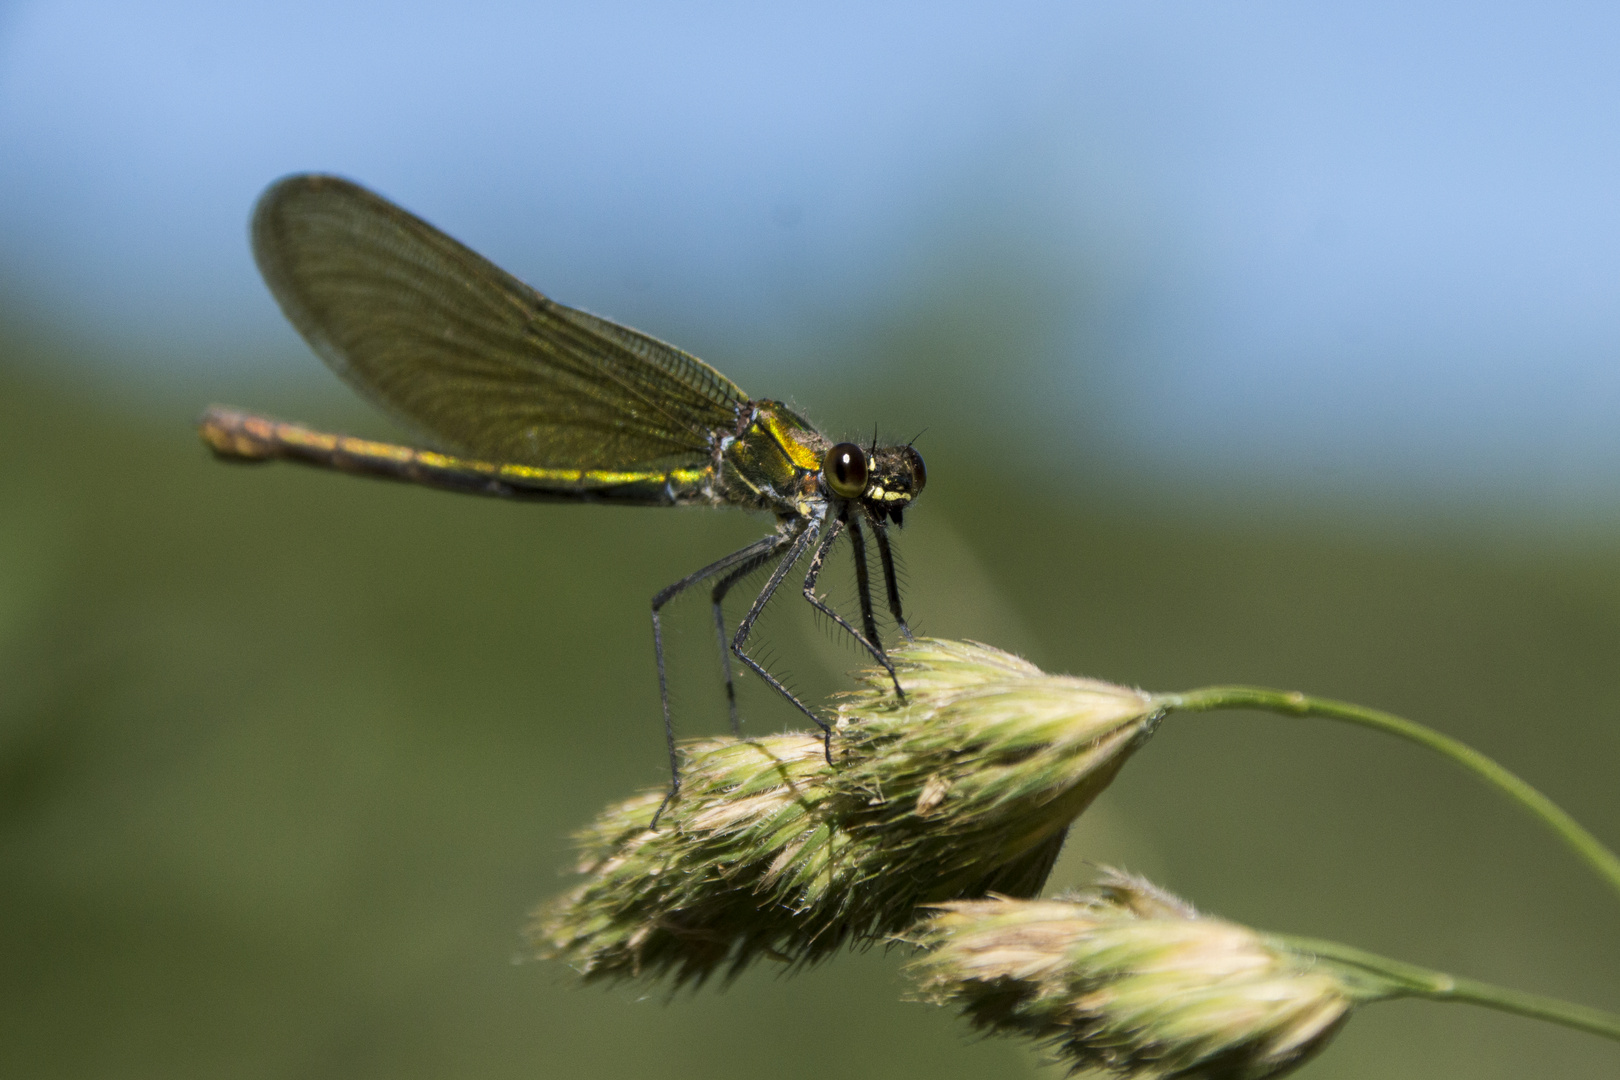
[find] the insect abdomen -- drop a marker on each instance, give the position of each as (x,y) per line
(239,436)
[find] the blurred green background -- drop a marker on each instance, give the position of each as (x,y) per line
(285,757)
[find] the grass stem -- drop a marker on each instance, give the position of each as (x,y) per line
(1292,703)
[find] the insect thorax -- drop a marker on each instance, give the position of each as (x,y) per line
(773,461)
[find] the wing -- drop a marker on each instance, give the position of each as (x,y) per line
(452,345)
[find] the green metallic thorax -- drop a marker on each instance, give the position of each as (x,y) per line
(773,462)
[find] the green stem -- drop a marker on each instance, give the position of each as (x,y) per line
(1392,978)
(1292,703)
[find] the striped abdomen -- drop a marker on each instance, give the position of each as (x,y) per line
(239,436)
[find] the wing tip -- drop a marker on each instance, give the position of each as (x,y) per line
(271,211)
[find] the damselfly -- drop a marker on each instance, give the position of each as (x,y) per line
(528,399)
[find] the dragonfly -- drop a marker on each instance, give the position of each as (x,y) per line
(520,397)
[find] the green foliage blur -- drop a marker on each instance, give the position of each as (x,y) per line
(286,757)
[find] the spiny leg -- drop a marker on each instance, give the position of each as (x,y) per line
(718,598)
(863,583)
(811,530)
(881,531)
(761,546)
(815,601)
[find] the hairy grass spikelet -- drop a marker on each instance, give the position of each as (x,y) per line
(1128,979)
(965,788)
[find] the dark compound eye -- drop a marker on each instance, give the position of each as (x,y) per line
(844,470)
(919,474)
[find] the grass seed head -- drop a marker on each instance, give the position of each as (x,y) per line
(966,787)
(1132,981)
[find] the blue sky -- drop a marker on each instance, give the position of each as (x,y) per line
(1374,242)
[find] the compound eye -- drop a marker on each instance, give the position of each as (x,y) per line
(919,474)
(844,470)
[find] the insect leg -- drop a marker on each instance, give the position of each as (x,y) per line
(863,583)
(810,530)
(718,598)
(762,546)
(882,533)
(820,605)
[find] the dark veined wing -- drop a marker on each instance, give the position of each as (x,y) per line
(457,348)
